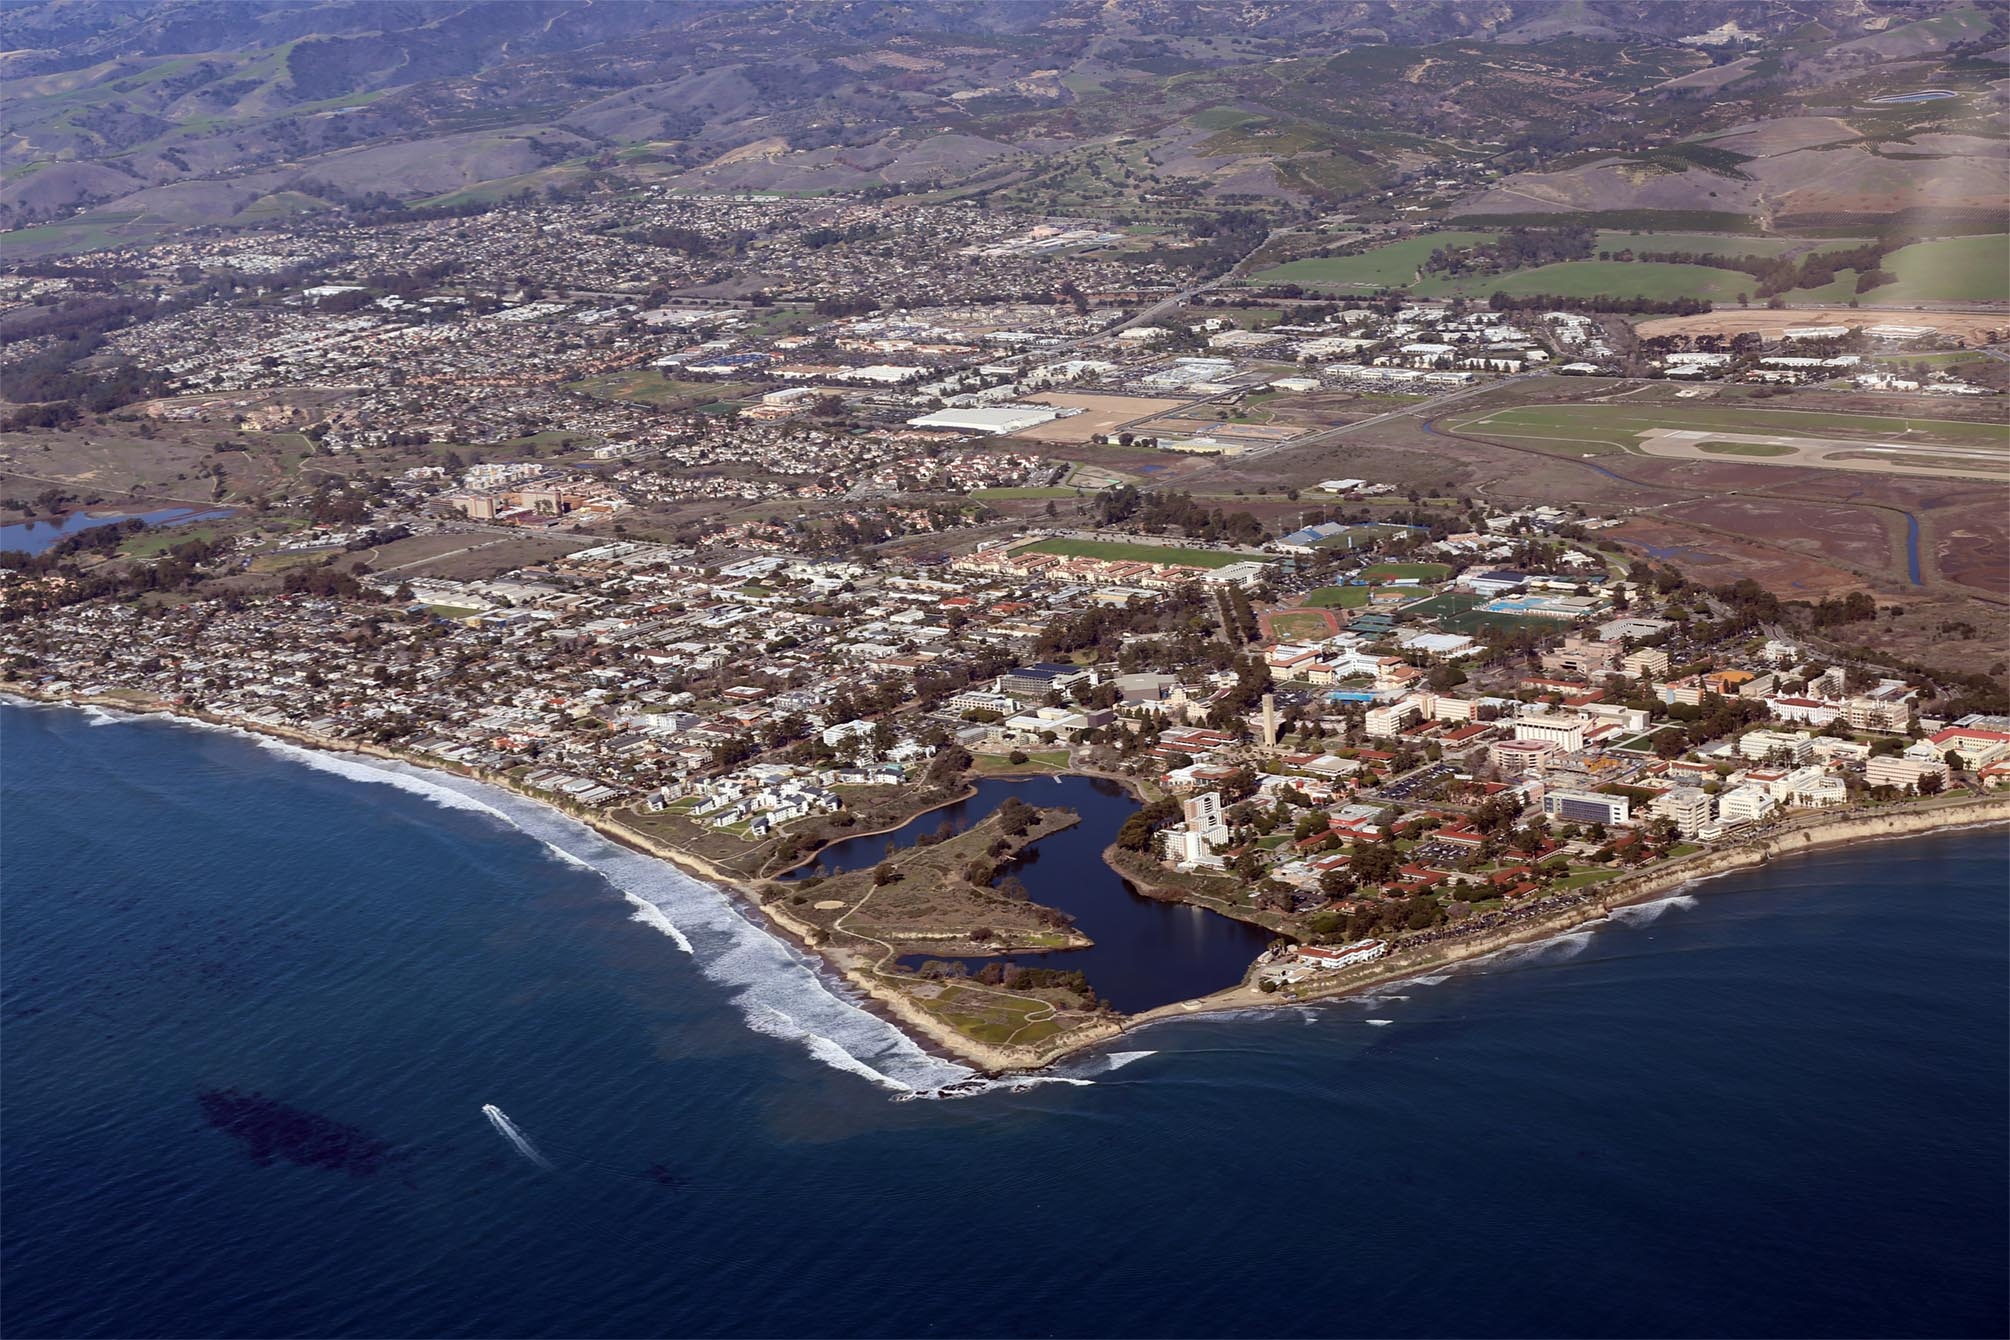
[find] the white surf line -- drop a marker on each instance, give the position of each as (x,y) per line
(781,991)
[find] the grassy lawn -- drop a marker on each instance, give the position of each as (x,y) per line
(1137,553)
(1614,429)
(1043,760)
(988,1014)
(1445,606)
(1339,597)
(649,386)
(1744,449)
(153,543)
(281,562)
(1584,877)
(1429,572)
(452,611)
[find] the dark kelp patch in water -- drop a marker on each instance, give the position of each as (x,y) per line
(269,1129)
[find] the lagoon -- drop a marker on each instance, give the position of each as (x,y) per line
(32,537)
(1147,953)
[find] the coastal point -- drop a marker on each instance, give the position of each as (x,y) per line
(879,668)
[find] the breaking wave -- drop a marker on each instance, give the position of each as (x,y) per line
(652,916)
(1556,949)
(1641,914)
(781,991)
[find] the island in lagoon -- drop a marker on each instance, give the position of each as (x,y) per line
(937,920)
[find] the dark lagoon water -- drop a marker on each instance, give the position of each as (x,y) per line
(34,536)
(254,1005)
(1147,953)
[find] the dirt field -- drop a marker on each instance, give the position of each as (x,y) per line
(1971,327)
(111,460)
(1100,414)
(1289,625)
(470,557)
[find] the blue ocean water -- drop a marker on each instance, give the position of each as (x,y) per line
(253,1008)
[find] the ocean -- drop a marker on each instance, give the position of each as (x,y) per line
(298,1046)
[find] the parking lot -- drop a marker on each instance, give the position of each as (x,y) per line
(1421,784)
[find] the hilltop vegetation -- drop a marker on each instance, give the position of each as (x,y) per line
(133,123)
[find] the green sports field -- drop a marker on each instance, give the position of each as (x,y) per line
(1426,572)
(1136,553)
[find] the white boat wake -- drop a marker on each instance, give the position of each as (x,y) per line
(518,1140)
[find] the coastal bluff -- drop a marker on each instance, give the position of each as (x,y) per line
(1809,833)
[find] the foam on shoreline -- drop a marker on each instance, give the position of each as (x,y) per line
(780,991)
(787,992)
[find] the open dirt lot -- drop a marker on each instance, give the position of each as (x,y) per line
(1100,414)
(470,557)
(1971,326)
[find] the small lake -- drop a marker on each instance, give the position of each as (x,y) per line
(32,537)
(1146,954)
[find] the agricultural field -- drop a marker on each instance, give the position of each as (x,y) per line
(1954,269)
(1393,265)
(1116,551)
(1586,279)
(1711,244)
